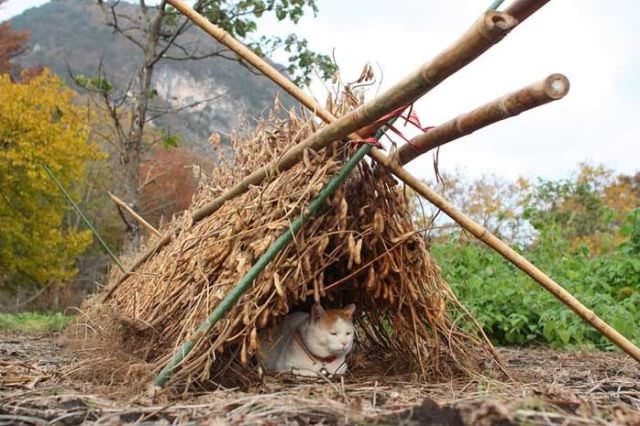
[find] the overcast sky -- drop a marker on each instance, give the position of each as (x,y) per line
(595,44)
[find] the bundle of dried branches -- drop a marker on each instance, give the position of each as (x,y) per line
(362,249)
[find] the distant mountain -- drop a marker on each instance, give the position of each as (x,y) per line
(71,34)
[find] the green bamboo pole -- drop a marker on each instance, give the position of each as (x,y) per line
(245,282)
(83,217)
(495,5)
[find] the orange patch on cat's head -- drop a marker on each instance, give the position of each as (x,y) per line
(330,316)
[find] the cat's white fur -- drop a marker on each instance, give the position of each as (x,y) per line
(324,333)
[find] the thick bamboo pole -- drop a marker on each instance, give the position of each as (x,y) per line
(135,215)
(552,88)
(245,282)
(522,9)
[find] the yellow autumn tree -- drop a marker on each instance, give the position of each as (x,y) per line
(39,124)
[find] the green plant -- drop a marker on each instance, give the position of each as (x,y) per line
(34,322)
(515,310)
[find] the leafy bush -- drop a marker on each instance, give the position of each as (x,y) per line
(516,310)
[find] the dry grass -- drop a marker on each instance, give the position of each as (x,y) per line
(564,388)
(362,249)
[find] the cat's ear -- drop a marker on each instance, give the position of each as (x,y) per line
(317,312)
(349,309)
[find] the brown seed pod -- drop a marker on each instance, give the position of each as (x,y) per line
(282,305)
(378,222)
(322,244)
(371,276)
(440,309)
(351,247)
(264,318)
(278,284)
(379,289)
(385,267)
(253,341)
(246,315)
(342,214)
(238,224)
(320,281)
(244,357)
(357,257)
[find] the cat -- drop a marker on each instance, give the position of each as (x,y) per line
(311,344)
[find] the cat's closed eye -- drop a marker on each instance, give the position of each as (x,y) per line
(334,333)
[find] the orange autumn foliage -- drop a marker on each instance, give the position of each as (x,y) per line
(168,183)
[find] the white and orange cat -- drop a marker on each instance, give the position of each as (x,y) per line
(311,344)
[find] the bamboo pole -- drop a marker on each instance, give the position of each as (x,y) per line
(522,9)
(135,215)
(552,88)
(245,282)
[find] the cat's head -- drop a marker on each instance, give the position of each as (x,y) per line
(332,329)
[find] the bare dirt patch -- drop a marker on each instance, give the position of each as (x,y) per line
(552,387)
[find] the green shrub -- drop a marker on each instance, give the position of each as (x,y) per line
(516,310)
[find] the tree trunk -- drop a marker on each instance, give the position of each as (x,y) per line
(134,144)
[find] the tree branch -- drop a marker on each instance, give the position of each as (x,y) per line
(182,108)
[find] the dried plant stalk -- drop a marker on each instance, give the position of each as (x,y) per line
(406,321)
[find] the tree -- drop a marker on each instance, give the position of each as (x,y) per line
(587,209)
(12,44)
(158,31)
(493,202)
(39,124)
(169,180)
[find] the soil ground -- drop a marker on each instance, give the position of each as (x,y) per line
(552,387)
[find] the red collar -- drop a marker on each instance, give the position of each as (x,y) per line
(314,357)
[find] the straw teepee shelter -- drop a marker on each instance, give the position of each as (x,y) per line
(361,249)
(252,247)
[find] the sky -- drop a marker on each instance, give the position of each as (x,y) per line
(594,43)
